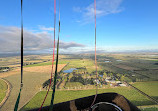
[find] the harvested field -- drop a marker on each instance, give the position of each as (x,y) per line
(33,80)
(37,69)
(43,68)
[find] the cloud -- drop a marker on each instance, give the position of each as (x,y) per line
(77,9)
(66,45)
(10,40)
(103,8)
(82,50)
(43,28)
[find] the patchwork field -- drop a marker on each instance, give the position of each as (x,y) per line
(139,68)
(33,80)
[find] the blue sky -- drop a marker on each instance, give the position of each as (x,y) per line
(121,24)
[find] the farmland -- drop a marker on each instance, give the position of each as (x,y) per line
(150,88)
(150,109)
(62,96)
(33,79)
(138,69)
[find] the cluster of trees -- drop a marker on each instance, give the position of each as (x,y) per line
(76,76)
(47,82)
(81,70)
(82,80)
(116,76)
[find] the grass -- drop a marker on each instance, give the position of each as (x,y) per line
(3,88)
(150,88)
(73,84)
(77,63)
(47,63)
(150,109)
(66,95)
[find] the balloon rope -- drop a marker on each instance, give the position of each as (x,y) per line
(21,85)
(50,82)
(95,56)
(55,77)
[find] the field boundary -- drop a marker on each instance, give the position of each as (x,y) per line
(20,108)
(7,93)
(149,97)
(64,67)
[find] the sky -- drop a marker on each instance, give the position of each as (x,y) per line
(122,25)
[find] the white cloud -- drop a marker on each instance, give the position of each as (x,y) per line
(103,8)
(10,40)
(77,9)
(43,28)
(105,49)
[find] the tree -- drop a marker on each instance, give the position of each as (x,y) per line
(105,75)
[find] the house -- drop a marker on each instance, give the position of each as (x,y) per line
(5,70)
(110,80)
(122,85)
(118,82)
(114,84)
(97,81)
(107,61)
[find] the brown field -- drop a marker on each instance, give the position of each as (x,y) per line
(18,65)
(45,69)
(36,69)
(33,80)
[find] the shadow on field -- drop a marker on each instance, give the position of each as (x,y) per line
(155,97)
(142,103)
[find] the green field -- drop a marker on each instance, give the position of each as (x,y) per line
(73,84)
(150,109)
(3,88)
(66,95)
(77,63)
(143,67)
(48,63)
(150,88)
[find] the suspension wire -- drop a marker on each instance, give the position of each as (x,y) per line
(50,82)
(55,76)
(21,85)
(95,55)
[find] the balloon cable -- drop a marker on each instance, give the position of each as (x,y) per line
(50,82)
(95,56)
(21,85)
